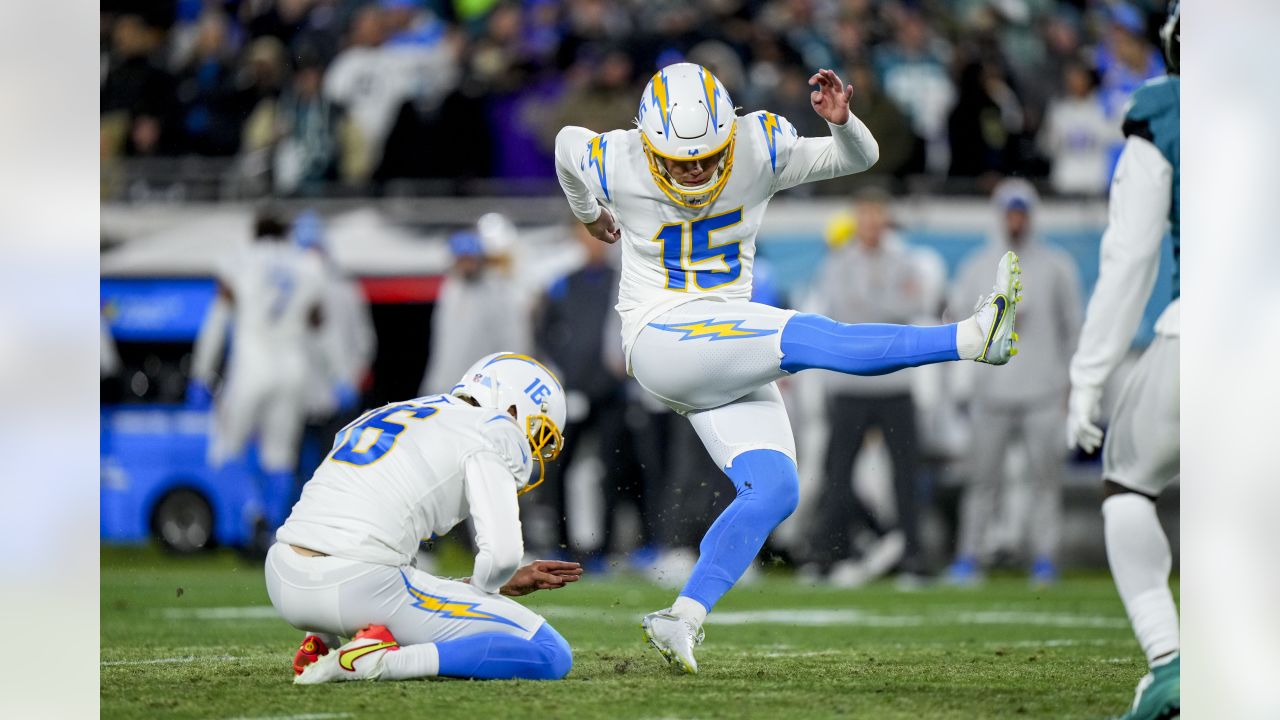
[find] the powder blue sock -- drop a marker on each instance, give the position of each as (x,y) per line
(768,491)
(545,656)
(813,341)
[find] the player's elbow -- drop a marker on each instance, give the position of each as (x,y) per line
(872,154)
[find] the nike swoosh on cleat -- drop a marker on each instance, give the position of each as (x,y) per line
(348,658)
(1001,303)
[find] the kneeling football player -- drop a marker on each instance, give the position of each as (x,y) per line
(412,470)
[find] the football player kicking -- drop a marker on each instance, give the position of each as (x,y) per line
(1141,456)
(686,193)
(341,565)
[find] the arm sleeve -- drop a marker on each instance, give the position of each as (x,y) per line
(491,494)
(570,143)
(211,340)
(1141,193)
(850,149)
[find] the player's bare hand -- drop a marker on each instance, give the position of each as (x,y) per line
(831,99)
(542,575)
(605,228)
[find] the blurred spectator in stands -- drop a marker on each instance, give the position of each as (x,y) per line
(301,132)
(1028,398)
(873,279)
(263,73)
(575,332)
(849,41)
(358,80)
(764,70)
(985,124)
(1061,31)
(1125,60)
(137,95)
(284,20)
(212,107)
(438,131)
(1014,26)
(478,312)
(1076,135)
(591,23)
(901,151)
(603,99)
(498,55)
(913,71)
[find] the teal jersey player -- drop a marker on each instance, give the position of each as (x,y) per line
(1153,115)
(1141,455)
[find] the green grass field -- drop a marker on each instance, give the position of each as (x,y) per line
(196,638)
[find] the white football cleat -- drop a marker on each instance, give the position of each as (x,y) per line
(360,659)
(995,313)
(674,637)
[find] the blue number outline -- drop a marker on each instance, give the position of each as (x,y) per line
(381,420)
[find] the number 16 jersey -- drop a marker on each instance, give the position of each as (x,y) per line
(399,474)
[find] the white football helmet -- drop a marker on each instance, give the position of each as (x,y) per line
(685,113)
(502,380)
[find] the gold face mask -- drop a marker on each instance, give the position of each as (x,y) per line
(691,197)
(546,441)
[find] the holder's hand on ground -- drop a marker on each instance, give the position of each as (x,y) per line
(604,228)
(831,99)
(542,575)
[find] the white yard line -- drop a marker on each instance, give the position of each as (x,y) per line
(249,612)
(810,617)
(303,716)
(170,660)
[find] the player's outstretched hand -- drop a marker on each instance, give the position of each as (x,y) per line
(605,228)
(542,575)
(831,99)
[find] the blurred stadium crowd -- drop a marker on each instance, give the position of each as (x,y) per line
(310,97)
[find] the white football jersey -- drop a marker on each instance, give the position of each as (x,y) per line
(276,287)
(672,254)
(397,475)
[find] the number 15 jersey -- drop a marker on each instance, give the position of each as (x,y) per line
(672,254)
